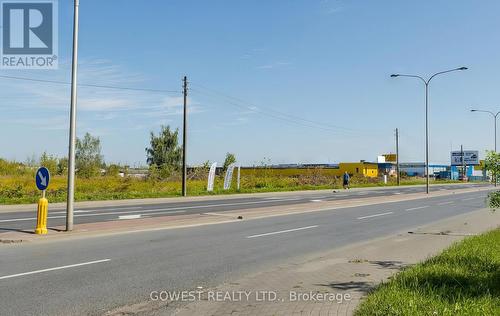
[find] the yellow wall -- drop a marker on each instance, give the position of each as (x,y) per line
(359,168)
(481,165)
(353,168)
(289,172)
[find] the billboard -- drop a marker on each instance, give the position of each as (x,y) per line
(471,157)
(390,157)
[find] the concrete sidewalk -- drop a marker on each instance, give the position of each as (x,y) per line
(332,283)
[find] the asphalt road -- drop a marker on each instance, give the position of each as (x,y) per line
(26,220)
(94,275)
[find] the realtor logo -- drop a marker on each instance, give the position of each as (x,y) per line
(29,34)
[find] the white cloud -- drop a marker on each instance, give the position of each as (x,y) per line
(274,65)
(59,122)
(331,6)
(32,95)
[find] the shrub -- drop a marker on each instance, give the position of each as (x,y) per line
(494,199)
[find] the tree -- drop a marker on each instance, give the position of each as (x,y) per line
(31,161)
(89,160)
(113,170)
(62,166)
(230,158)
(492,164)
(49,161)
(164,151)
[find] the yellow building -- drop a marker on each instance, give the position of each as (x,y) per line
(359,168)
(390,157)
(362,168)
(481,166)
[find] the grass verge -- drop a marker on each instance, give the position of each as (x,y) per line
(22,189)
(462,280)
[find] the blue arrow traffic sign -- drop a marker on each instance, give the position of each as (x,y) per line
(42,178)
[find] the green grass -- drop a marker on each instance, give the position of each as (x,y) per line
(18,189)
(462,280)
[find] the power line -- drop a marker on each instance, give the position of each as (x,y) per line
(254,108)
(257,111)
(275,114)
(91,85)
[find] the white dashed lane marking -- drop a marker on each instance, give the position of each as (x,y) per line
(375,215)
(283,231)
(417,208)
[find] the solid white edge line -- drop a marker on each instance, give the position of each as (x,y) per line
(131,216)
(143,212)
(18,219)
(375,215)
(153,210)
(283,231)
(52,269)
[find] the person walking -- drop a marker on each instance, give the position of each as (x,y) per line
(346,179)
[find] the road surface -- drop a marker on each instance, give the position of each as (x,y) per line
(97,274)
(26,220)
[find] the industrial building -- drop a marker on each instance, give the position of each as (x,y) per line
(417,169)
(384,166)
(361,168)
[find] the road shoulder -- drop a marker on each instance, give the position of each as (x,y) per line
(335,282)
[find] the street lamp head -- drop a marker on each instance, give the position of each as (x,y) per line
(394,75)
(473,110)
(462,68)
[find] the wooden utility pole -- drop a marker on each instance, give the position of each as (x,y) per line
(184,139)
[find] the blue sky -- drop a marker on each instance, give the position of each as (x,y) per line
(285,81)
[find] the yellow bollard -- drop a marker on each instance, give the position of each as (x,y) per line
(41,223)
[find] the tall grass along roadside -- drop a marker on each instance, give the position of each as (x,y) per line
(462,280)
(20,188)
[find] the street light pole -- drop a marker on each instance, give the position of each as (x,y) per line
(495,116)
(426,83)
(184,138)
(397,157)
(427,136)
(72,125)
